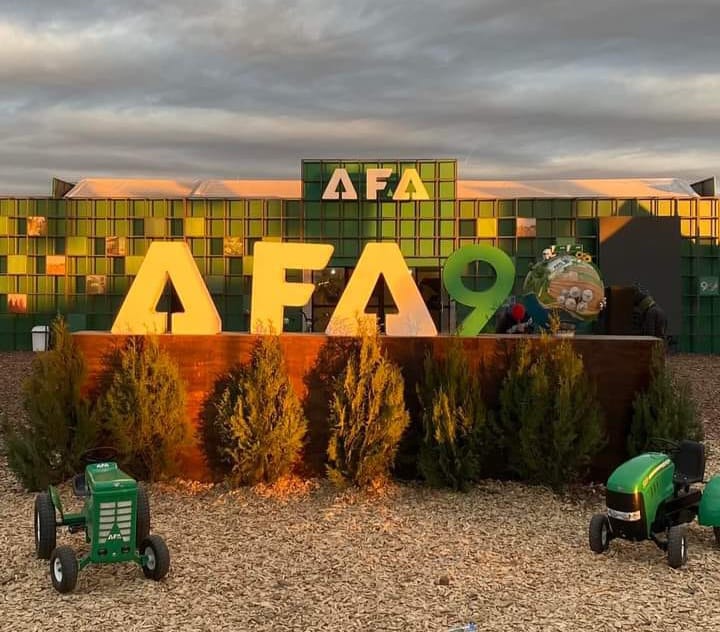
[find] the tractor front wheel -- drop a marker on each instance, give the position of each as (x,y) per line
(63,569)
(157,557)
(45,534)
(599,533)
(142,522)
(677,546)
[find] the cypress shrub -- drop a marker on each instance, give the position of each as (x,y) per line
(665,410)
(368,416)
(259,424)
(456,425)
(143,409)
(550,416)
(46,448)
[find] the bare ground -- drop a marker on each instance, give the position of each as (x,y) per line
(305,556)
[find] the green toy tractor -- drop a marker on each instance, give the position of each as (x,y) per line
(115,518)
(651,497)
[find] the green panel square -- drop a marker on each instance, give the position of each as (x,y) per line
(389,209)
(506,208)
(216,246)
(217,227)
(140,208)
(427,248)
(177,208)
(427,209)
(350,228)
(584,208)
(562,208)
(467,209)
(176,227)
(198,208)
(525,208)
(447,191)
(407,228)
(447,228)
(255,228)
(331,210)
(586,227)
(407,247)
(349,248)
(160,209)
(350,210)
(138,227)
(195,226)
(237,209)
(447,210)
(506,227)
(427,228)
(312,191)
(293,208)
(563,228)
(467,227)
(274,228)
(526,247)
(17,264)
(370,210)
(256,209)
(604,208)
(292,228)
(132,264)
(247,265)
(543,228)
(369,229)
(217,209)
(446,247)
(388,228)
(331,229)
(313,229)
(198,247)
(407,210)
(155,227)
(486,209)
(311,170)
(447,170)
(427,171)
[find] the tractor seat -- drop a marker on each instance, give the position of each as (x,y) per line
(689,463)
(79,487)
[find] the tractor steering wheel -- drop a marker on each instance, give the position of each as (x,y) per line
(100,454)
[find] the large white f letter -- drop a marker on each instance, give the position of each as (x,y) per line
(270,291)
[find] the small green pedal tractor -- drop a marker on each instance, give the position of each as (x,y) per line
(115,518)
(652,497)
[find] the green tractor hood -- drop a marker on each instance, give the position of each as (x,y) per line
(637,474)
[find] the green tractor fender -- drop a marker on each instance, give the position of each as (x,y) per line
(709,512)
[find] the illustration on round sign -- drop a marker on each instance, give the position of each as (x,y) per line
(569,283)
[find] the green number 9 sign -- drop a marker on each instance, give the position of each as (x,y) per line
(484,303)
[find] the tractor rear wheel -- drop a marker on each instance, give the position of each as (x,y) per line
(716,532)
(157,557)
(63,569)
(142,522)
(45,527)
(677,546)
(599,533)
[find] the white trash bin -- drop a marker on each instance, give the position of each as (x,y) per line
(40,337)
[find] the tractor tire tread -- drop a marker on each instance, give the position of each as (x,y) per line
(46,534)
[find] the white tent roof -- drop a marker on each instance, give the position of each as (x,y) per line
(606,188)
(466,189)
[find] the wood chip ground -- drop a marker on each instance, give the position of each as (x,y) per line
(305,556)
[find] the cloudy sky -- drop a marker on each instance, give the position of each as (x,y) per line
(221,89)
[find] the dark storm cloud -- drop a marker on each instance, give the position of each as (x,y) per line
(533,88)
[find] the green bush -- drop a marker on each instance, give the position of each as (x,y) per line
(665,410)
(143,409)
(456,429)
(550,416)
(46,448)
(368,416)
(259,424)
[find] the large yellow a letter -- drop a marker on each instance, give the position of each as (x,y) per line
(411,187)
(412,319)
(270,291)
(168,260)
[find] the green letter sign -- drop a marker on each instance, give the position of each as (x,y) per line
(485,303)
